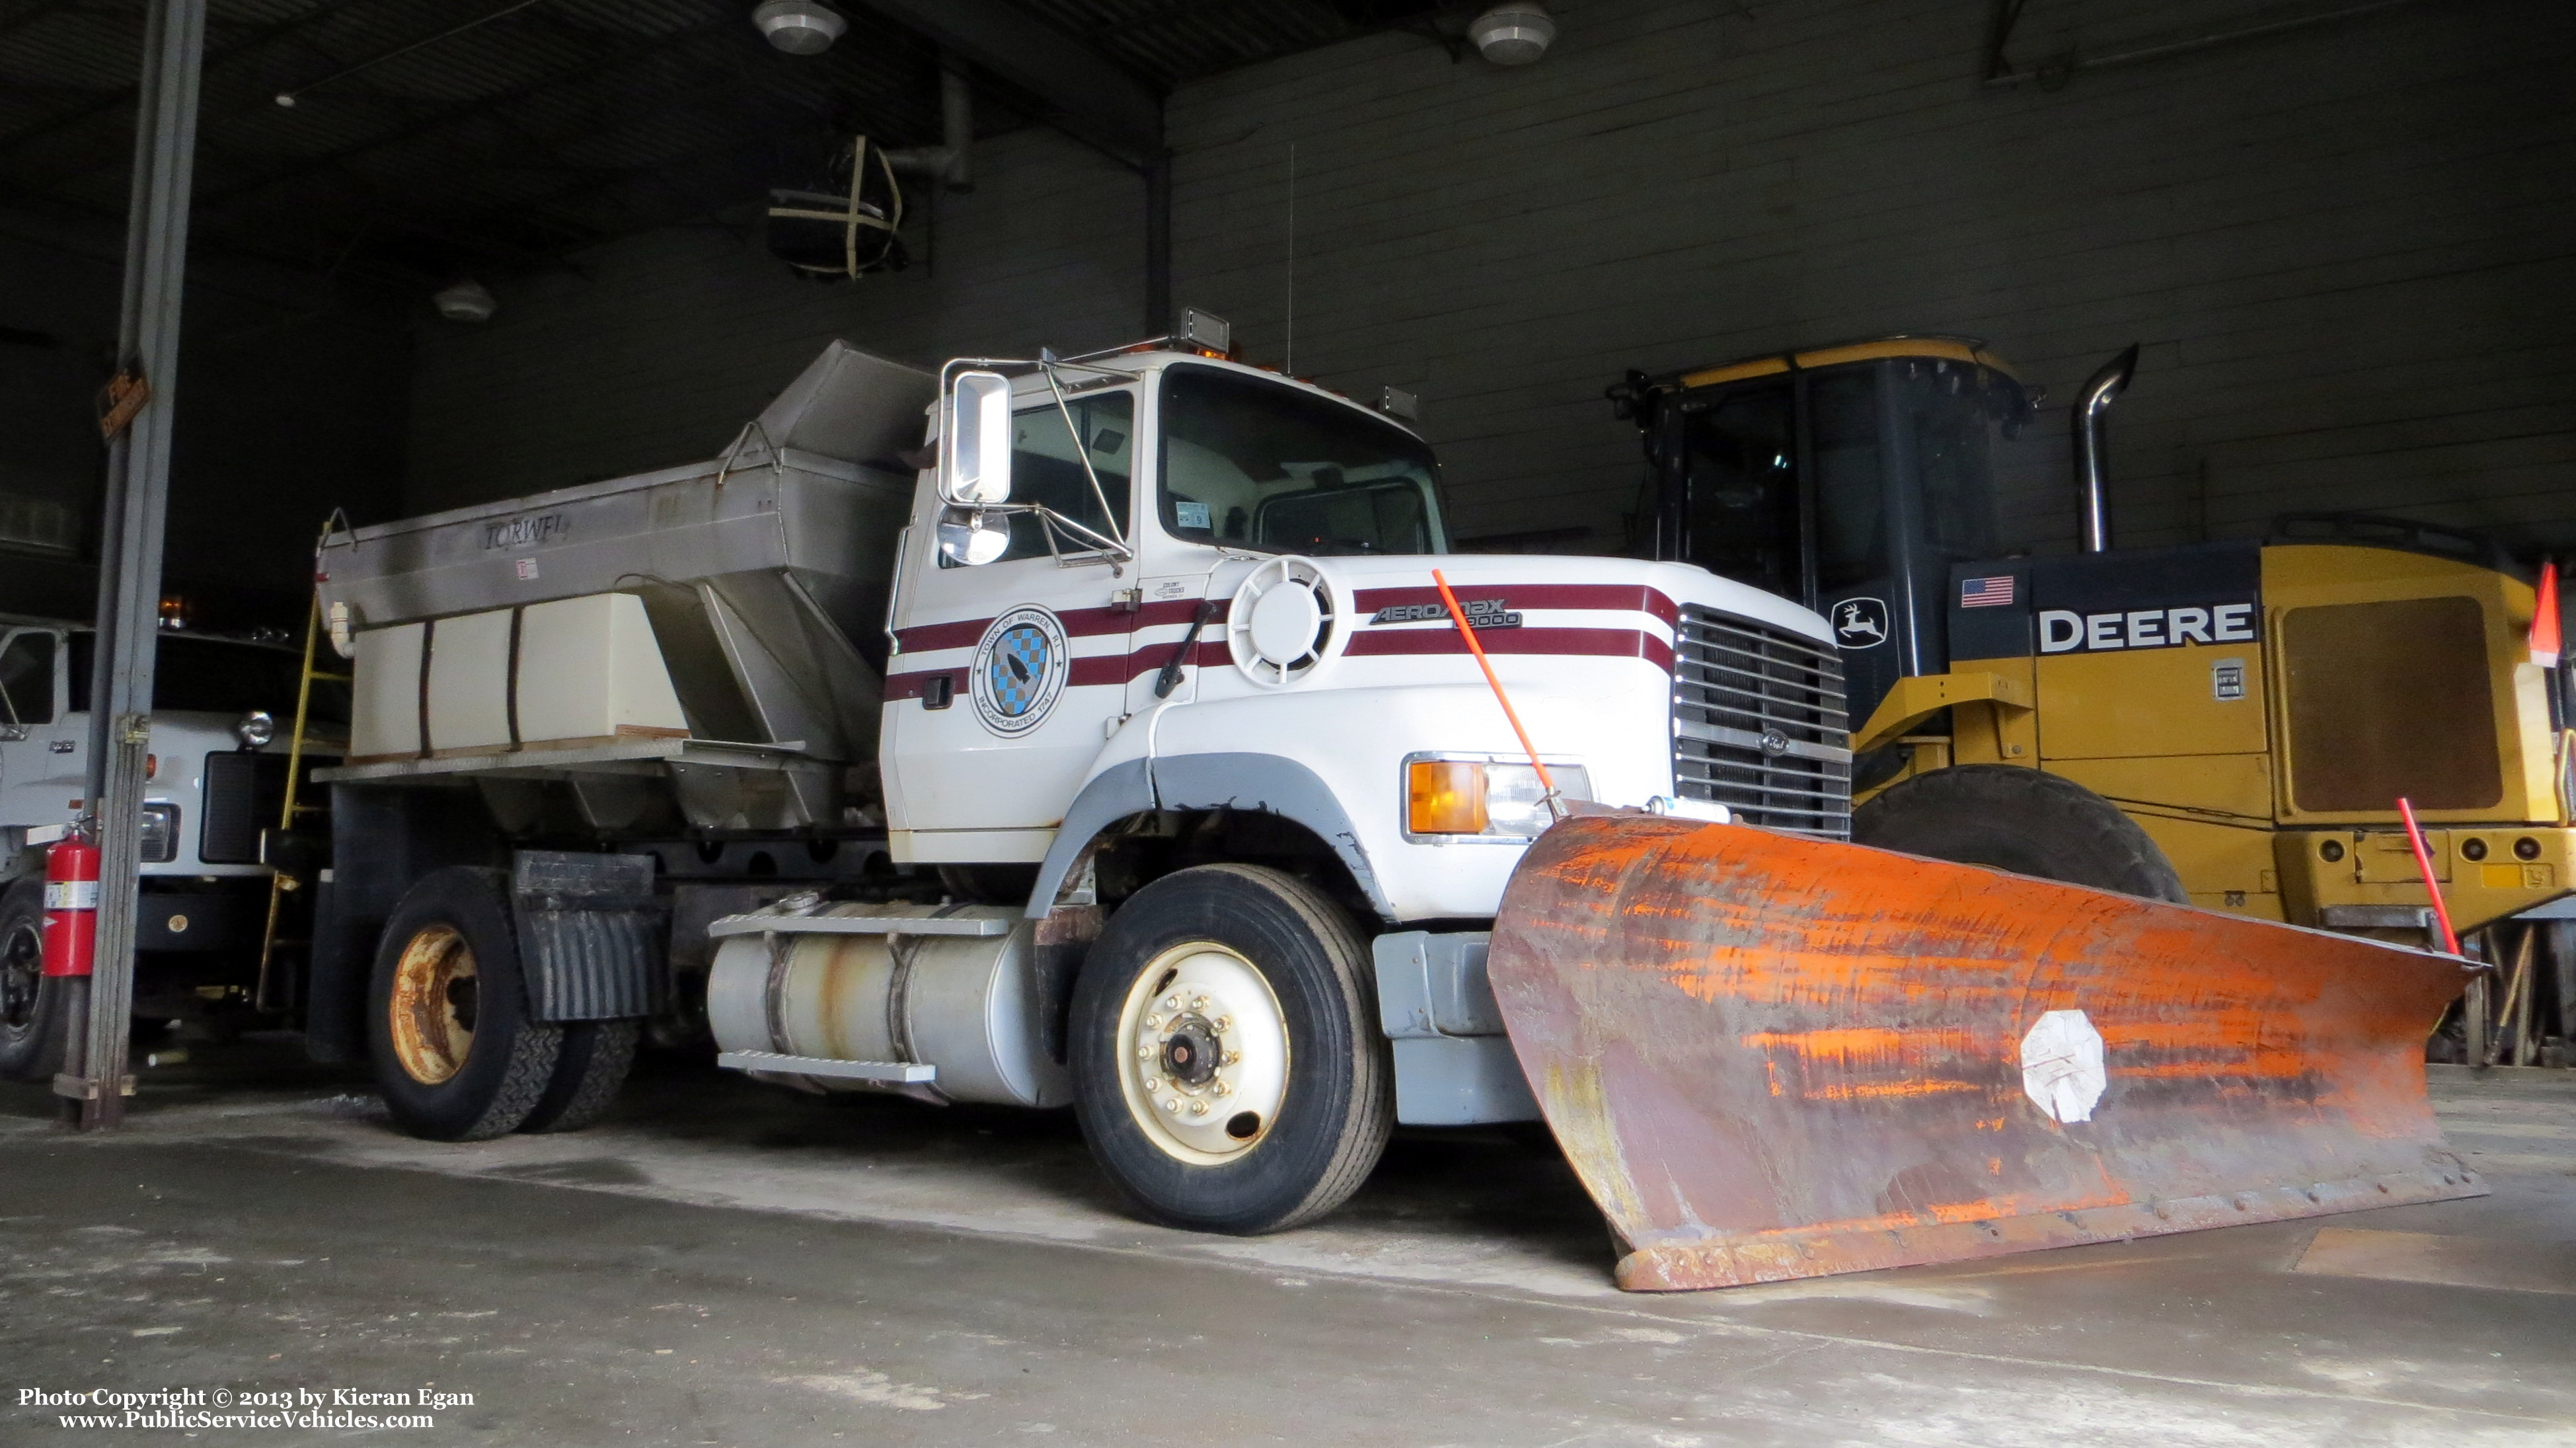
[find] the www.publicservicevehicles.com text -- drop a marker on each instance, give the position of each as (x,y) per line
(200,1408)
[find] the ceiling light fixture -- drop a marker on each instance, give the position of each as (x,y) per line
(1515,32)
(799,27)
(466,301)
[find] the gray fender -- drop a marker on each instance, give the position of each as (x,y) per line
(1263,782)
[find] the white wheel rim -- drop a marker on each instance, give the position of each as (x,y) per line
(1188,1001)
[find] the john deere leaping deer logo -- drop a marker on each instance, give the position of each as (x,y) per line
(1860,623)
(1019,670)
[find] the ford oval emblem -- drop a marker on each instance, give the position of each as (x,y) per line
(1774,742)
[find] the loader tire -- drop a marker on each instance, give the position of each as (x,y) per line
(589,1072)
(2008,817)
(31,1003)
(456,1056)
(1229,1074)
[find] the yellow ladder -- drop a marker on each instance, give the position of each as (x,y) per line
(279,882)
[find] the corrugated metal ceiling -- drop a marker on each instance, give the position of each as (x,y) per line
(555,126)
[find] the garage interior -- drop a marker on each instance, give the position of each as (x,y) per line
(375,261)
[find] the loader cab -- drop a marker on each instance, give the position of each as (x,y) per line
(1847,478)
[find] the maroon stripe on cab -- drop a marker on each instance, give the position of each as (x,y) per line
(1626,597)
(923,638)
(1099,669)
(1608,643)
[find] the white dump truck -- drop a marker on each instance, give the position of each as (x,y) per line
(1105,742)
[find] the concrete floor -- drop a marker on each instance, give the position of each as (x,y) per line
(721,1264)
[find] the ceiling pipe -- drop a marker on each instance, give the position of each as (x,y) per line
(2092,447)
(952,161)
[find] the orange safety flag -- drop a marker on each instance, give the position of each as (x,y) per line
(2544,619)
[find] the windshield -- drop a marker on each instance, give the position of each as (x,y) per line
(221,676)
(1251,464)
(1956,417)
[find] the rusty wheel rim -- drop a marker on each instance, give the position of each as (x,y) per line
(432,1010)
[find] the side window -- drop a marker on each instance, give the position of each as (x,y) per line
(1740,469)
(1046,469)
(27,678)
(1851,507)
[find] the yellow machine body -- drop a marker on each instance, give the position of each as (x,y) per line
(2272,784)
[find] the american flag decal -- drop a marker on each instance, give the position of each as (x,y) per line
(1986,592)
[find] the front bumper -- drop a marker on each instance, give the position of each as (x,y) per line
(201,920)
(2368,878)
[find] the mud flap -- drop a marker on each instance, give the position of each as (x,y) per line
(1772,1057)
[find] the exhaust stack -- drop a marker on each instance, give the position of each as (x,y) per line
(2092,450)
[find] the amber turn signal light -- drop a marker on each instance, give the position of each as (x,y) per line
(1445,797)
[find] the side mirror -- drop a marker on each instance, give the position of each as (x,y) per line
(971,538)
(975,441)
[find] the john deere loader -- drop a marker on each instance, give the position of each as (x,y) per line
(2228,724)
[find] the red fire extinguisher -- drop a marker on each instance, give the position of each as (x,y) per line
(71,906)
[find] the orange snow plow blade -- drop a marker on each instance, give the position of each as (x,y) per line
(1773,1057)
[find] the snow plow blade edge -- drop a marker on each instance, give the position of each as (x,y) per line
(1772,1057)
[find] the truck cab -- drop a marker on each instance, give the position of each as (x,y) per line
(1127,738)
(217,765)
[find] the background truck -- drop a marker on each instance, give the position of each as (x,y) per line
(1123,752)
(218,770)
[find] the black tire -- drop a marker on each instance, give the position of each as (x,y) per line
(507,1060)
(1337,1107)
(2028,821)
(31,1003)
(589,1072)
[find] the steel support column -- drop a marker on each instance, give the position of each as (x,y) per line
(1158,245)
(129,575)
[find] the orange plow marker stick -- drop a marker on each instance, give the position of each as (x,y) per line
(1773,1057)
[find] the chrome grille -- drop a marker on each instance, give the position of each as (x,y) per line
(1758,724)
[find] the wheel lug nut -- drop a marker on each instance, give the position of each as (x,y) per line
(1153,1083)
(1172,1002)
(1145,1053)
(1229,1058)
(1223,1089)
(1198,1108)
(1224,1024)
(1172,1105)
(1153,1023)
(1198,1003)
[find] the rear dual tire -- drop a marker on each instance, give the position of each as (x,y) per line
(457,1056)
(31,1002)
(1229,1072)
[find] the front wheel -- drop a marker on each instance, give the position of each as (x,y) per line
(1229,1073)
(31,1002)
(2009,817)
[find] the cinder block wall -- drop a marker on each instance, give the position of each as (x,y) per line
(659,348)
(2346,249)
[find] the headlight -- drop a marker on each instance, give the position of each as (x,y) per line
(255,729)
(1486,799)
(160,833)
